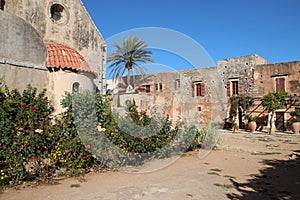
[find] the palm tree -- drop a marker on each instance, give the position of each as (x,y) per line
(127,57)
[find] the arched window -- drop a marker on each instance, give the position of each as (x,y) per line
(56,12)
(75,87)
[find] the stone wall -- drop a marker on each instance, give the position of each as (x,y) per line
(60,82)
(16,76)
(20,41)
(74,28)
(242,69)
(266,75)
(22,54)
(255,76)
(177,99)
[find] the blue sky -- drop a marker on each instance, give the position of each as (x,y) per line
(224,28)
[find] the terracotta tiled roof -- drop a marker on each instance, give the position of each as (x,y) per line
(61,56)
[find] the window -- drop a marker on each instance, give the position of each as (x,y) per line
(75,87)
(59,14)
(280,84)
(233,88)
(2,3)
(198,89)
(56,12)
(177,84)
(158,86)
(147,88)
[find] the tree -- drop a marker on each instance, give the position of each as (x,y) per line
(127,57)
(239,103)
(272,102)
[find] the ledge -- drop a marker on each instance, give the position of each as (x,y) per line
(22,64)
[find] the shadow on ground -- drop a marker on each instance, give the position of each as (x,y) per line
(280,179)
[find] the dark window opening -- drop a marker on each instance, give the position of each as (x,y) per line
(56,12)
(75,87)
(147,87)
(2,3)
(235,87)
(198,89)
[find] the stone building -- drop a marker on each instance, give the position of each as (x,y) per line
(51,44)
(201,95)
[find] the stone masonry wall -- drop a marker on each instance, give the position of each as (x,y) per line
(265,75)
(74,29)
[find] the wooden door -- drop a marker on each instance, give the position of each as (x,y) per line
(280,84)
(279,121)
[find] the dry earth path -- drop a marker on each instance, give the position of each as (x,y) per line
(244,166)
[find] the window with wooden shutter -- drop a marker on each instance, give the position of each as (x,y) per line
(193,90)
(228,89)
(202,90)
(158,86)
(234,87)
(240,88)
(198,89)
(280,84)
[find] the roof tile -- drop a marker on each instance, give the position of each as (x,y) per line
(61,56)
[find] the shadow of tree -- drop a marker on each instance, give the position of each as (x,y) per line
(280,179)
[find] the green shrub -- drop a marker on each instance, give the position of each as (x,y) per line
(31,146)
(25,135)
(295,113)
(34,146)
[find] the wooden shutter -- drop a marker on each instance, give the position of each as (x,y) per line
(193,90)
(280,86)
(202,90)
(240,88)
(228,88)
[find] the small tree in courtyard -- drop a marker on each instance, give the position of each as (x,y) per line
(240,103)
(272,102)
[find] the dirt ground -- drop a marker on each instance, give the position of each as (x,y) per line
(244,166)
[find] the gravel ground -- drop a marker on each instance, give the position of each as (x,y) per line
(243,166)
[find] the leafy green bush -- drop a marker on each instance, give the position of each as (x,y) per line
(31,146)
(35,146)
(26,135)
(295,113)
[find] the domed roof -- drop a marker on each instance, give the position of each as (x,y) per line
(63,57)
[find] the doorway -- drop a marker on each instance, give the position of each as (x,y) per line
(279,121)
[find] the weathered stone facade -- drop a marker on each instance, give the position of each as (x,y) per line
(202,95)
(26,27)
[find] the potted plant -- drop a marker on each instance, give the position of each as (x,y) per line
(295,121)
(252,123)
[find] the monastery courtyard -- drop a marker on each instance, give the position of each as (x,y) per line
(243,166)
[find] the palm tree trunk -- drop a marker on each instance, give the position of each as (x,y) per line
(128,77)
